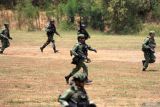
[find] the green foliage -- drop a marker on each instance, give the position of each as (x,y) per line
(124,16)
(149,27)
(121,16)
(156,9)
(30,12)
(66,26)
(71,9)
(97,21)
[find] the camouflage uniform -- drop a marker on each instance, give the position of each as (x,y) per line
(50,30)
(82,30)
(148,49)
(80,56)
(76,95)
(4,37)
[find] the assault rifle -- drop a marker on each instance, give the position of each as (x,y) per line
(80,55)
(3,36)
(152,48)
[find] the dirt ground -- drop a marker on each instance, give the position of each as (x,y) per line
(29,78)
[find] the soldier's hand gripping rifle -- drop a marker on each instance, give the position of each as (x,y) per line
(152,48)
(87,60)
(3,36)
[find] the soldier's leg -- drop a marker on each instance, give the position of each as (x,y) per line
(147,59)
(44,45)
(85,70)
(54,46)
(74,70)
(5,44)
(152,58)
(1,47)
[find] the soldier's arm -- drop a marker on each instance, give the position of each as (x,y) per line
(57,33)
(145,43)
(9,35)
(91,49)
(47,27)
(2,34)
(73,51)
(63,99)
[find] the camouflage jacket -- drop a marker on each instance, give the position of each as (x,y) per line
(83,31)
(74,97)
(51,29)
(5,34)
(149,44)
(81,50)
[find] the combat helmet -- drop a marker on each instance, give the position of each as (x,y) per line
(151,32)
(81,77)
(6,23)
(80,36)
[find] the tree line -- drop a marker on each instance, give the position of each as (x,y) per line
(119,16)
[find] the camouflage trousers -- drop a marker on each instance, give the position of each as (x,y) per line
(80,65)
(149,58)
(50,40)
(5,44)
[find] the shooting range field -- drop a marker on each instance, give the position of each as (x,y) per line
(29,78)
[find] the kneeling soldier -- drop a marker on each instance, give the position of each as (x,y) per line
(76,95)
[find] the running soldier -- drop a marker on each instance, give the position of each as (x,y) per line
(148,48)
(80,57)
(4,37)
(50,30)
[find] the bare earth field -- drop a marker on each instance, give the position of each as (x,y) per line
(29,78)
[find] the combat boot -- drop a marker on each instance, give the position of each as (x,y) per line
(55,51)
(144,69)
(67,79)
(54,48)
(41,48)
(143,61)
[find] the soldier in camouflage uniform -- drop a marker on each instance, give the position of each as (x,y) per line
(80,56)
(50,30)
(148,48)
(4,37)
(82,30)
(76,95)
